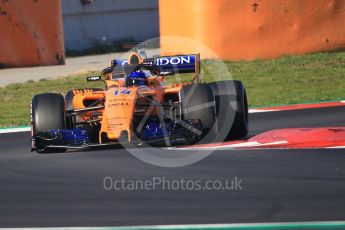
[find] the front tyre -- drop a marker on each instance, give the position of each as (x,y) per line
(48,113)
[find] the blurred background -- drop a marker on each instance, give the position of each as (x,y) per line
(36,32)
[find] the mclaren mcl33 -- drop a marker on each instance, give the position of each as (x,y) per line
(137,106)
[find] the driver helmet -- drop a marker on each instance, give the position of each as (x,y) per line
(136,78)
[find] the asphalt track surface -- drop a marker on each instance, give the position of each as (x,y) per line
(277,185)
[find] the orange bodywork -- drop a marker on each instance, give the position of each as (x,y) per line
(115,111)
(121,104)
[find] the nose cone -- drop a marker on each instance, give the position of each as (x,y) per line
(117,119)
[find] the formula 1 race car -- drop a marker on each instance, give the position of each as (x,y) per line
(137,106)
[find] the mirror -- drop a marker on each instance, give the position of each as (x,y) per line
(93,78)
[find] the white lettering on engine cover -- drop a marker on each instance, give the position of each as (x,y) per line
(173,60)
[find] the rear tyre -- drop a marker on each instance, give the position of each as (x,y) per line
(231,108)
(197,103)
(240,127)
(48,112)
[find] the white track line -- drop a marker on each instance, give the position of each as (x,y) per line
(335,147)
(232,146)
(14,130)
(261,110)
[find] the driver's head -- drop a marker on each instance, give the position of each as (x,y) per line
(137,78)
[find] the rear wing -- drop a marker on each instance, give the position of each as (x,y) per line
(163,65)
(178,64)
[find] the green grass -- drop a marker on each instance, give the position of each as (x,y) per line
(290,80)
(287,80)
(16,98)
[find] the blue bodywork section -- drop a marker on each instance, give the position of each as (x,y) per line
(77,137)
(177,64)
(154,130)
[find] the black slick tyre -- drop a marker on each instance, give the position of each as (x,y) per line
(197,103)
(48,113)
(231,109)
